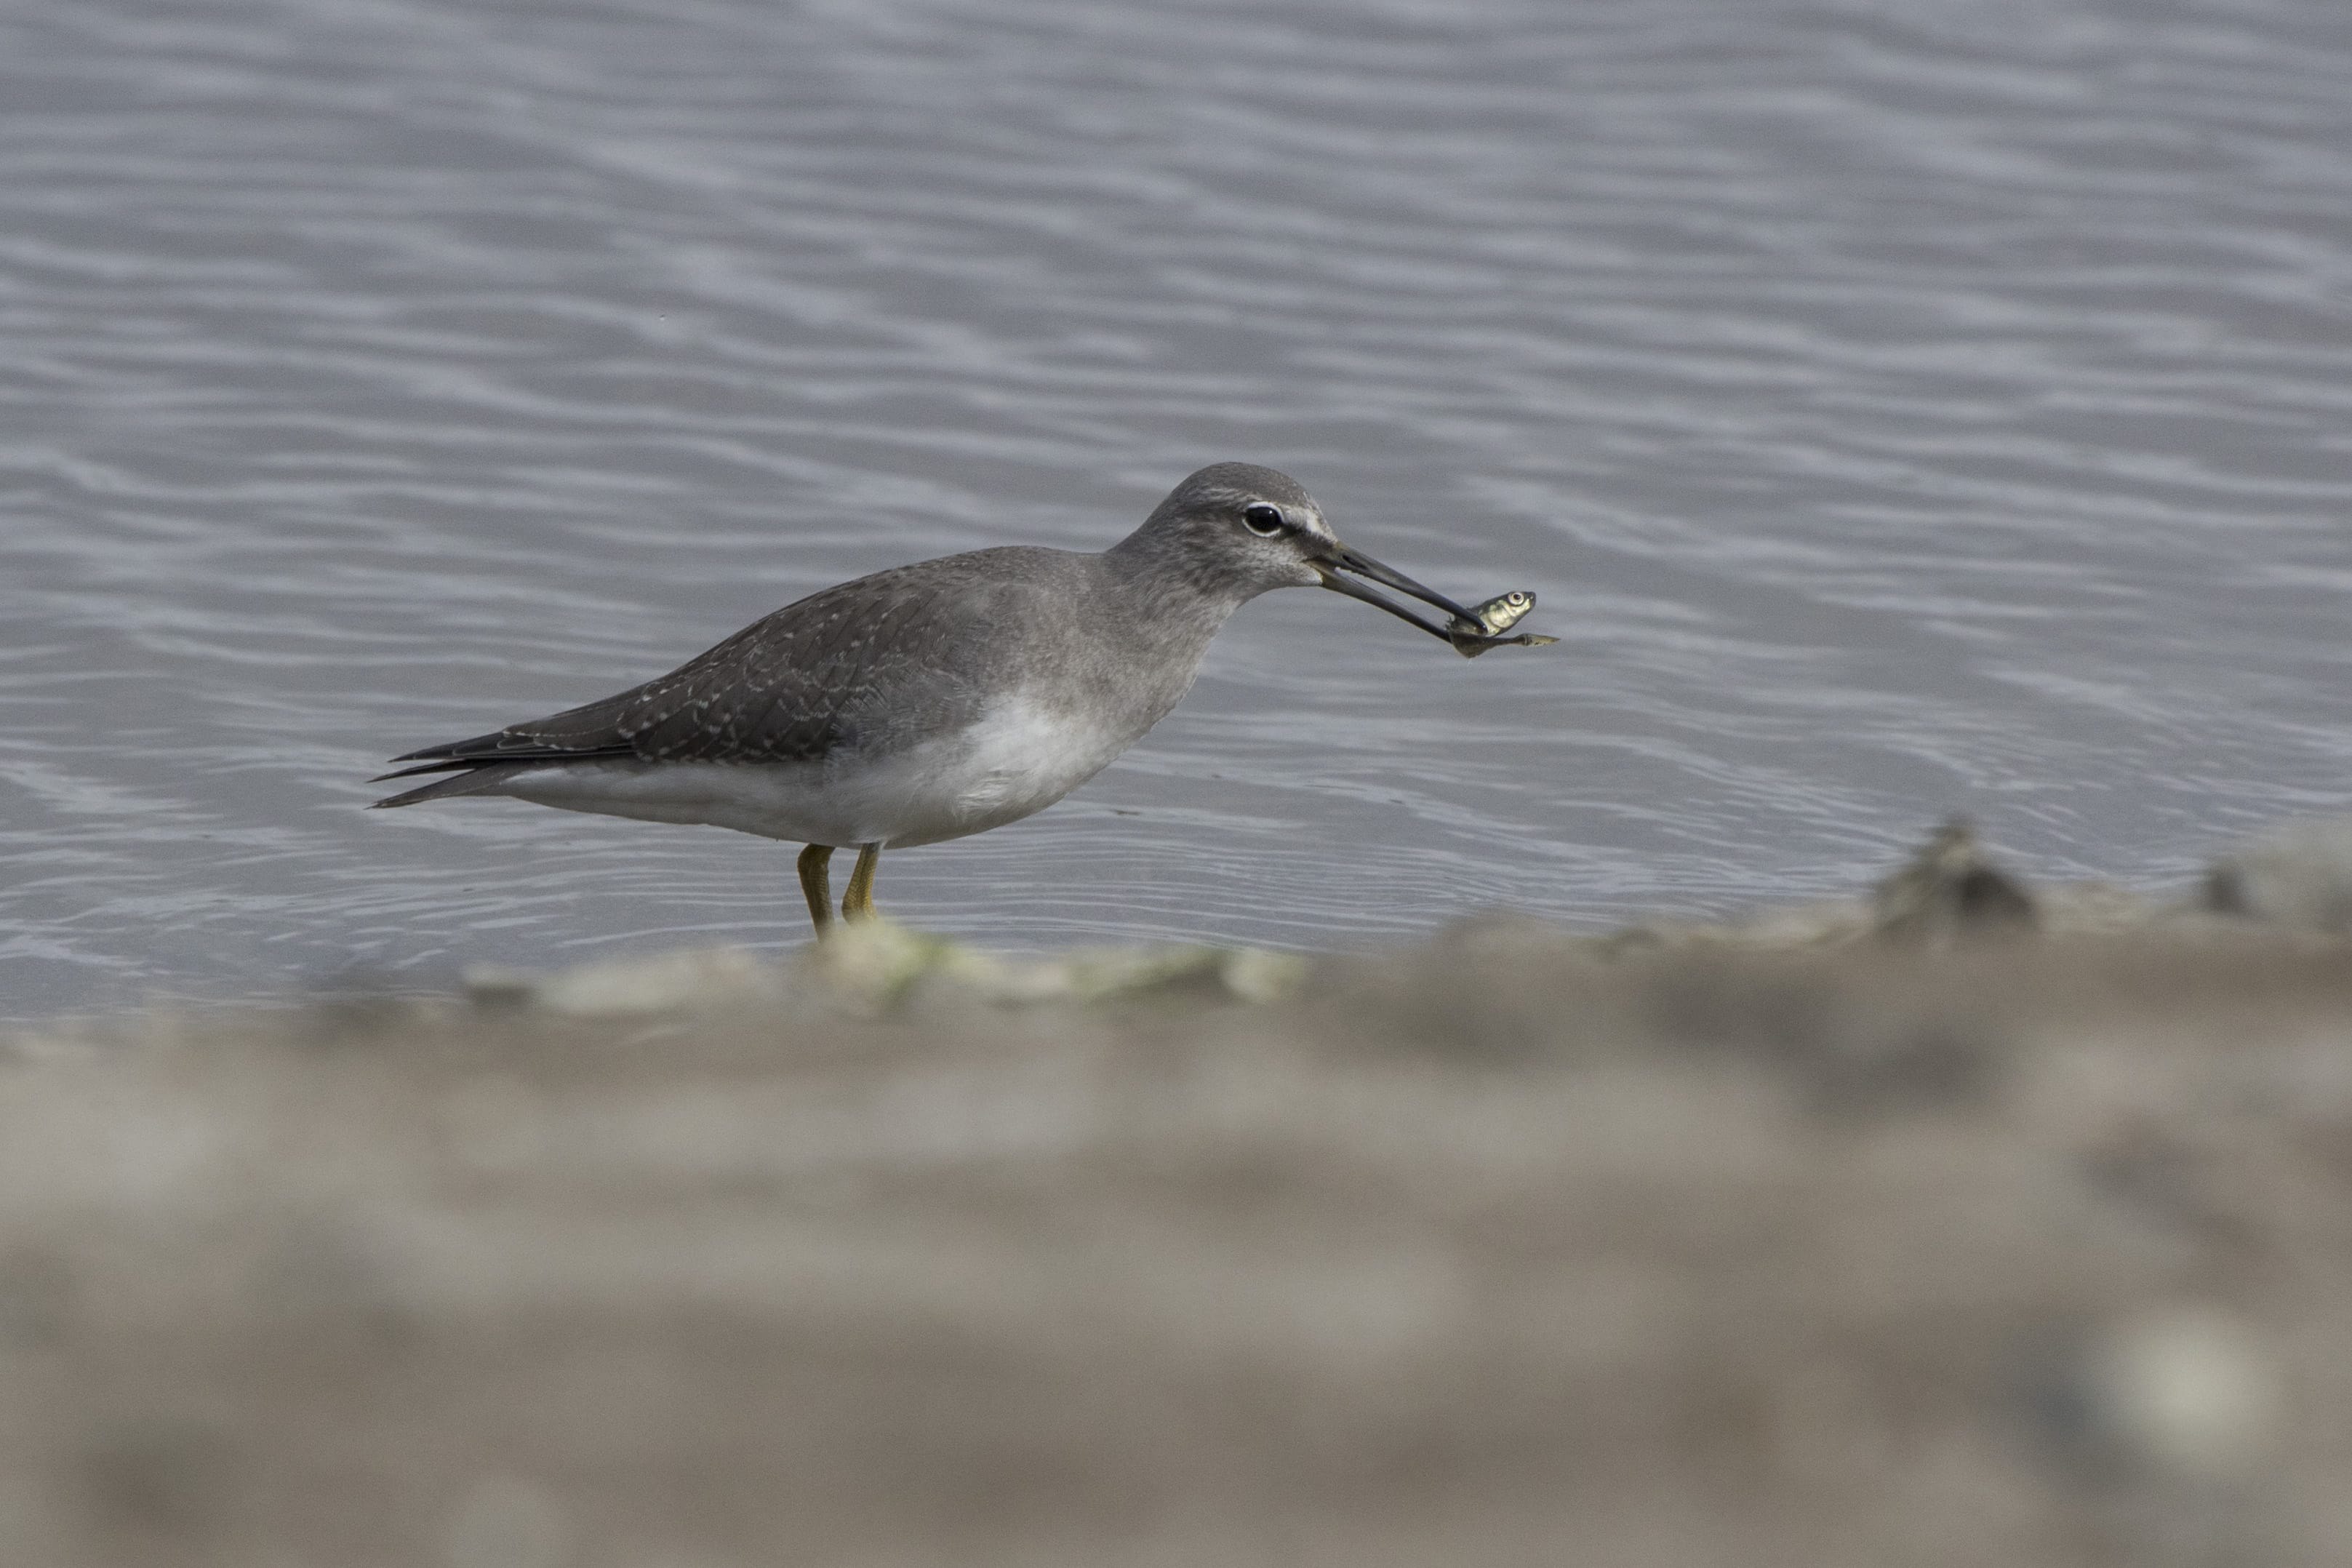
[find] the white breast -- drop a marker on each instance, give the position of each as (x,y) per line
(1021,757)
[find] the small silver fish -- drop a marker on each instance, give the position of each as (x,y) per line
(1495,616)
(1474,635)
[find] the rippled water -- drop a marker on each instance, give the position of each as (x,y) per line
(1901,408)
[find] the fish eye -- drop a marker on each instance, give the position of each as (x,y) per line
(1262,520)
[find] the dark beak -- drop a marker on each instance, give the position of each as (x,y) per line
(1343,558)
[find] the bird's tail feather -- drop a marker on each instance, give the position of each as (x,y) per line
(475,780)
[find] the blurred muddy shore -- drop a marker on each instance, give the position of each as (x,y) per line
(1967,1223)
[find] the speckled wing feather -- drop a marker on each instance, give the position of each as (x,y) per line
(837,668)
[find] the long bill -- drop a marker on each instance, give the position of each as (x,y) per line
(1360,564)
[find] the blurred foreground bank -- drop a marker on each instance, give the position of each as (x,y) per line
(1970,1224)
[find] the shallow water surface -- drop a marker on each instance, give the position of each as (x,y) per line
(1900,408)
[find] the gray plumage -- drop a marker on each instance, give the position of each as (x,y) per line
(912,651)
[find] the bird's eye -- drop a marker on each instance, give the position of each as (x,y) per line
(1262,519)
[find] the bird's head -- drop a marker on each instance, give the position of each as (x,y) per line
(1239,529)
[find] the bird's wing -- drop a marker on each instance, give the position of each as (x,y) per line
(889,652)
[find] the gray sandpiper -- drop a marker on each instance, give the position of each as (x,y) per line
(928,702)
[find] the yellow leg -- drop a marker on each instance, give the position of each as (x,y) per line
(857,904)
(814,884)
